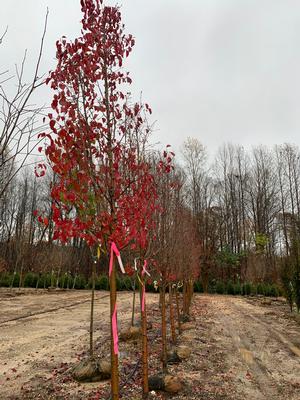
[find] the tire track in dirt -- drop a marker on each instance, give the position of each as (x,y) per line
(273,332)
(271,359)
(258,373)
(50,310)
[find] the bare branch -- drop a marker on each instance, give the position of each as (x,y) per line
(2,37)
(19,119)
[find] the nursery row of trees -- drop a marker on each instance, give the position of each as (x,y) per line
(102,195)
(244,205)
(103,191)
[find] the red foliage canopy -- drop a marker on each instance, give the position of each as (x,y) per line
(104,189)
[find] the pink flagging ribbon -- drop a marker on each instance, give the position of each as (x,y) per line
(115,330)
(144,271)
(115,250)
(114,324)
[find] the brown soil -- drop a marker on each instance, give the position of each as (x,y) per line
(242,348)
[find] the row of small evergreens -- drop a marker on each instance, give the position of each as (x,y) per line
(68,281)
(244,289)
(62,281)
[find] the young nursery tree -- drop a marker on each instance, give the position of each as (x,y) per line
(102,182)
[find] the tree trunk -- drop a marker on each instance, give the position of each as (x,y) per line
(92,312)
(164,328)
(144,347)
(57,280)
(114,357)
(13,279)
(74,282)
(184,298)
(21,277)
(133,304)
(178,310)
(171,309)
(190,292)
(52,278)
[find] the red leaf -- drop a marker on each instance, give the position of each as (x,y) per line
(52,124)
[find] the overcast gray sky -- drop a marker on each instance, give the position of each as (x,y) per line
(218,70)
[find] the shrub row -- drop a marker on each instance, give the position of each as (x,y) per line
(64,281)
(245,289)
(34,280)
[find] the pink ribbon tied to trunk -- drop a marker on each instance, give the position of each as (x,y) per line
(114,250)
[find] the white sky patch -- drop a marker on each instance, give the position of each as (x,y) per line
(216,70)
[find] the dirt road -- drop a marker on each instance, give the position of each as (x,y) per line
(250,350)
(243,349)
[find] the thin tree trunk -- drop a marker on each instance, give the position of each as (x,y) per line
(164,328)
(52,278)
(144,348)
(171,309)
(92,312)
(57,279)
(74,282)
(184,298)
(178,310)
(190,291)
(133,304)
(21,276)
(114,357)
(13,279)
(160,300)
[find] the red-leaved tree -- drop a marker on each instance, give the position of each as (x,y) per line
(104,192)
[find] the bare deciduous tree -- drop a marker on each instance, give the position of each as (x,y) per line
(19,119)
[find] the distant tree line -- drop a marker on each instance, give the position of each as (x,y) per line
(247,209)
(244,208)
